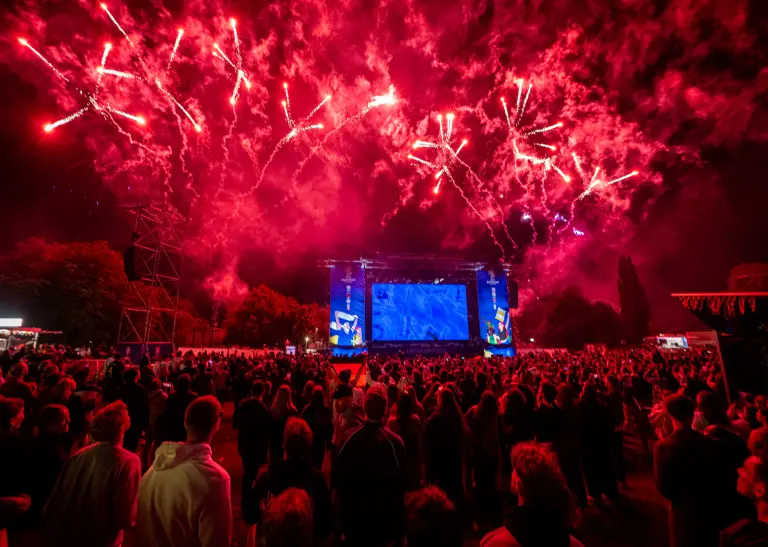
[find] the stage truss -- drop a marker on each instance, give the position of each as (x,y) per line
(151,304)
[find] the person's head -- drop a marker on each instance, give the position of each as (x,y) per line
(342,397)
(183,382)
(64,389)
(547,392)
(54,419)
(375,404)
(758,443)
(297,439)
(753,480)
(710,407)
(566,396)
(538,481)
(131,375)
(287,521)
(202,419)
(11,414)
(345,376)
(681,409)
(110,423)
(431,519)
(317,398)
(405,405)
(307,391)
(282,402)
(155,384)
(488,407)
(19,371)
(257,389)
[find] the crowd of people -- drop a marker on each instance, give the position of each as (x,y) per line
(425,451)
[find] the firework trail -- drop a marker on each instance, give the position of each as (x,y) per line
(375,102)
(51,126)
(91,99)
(296,128)
(594,184)
(100,70)
(481,187)
(146,70)
(446,156)
(174,50)
(477,213)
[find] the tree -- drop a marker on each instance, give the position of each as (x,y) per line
(569,320)
(72,287)
(635,310)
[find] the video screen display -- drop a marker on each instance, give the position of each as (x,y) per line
(418,312)
(347,306)
(493,307)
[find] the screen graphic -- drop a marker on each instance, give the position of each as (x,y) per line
(493,307)
(347,305)
(419,312)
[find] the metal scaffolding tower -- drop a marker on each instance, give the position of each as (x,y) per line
(151,303)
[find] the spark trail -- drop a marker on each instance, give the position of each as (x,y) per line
(175,49)
(146,79)
(477,213)
(446,156)
(296,128)
(375,102)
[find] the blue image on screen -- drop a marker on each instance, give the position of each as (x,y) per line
(419,312)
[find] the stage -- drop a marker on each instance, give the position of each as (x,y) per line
(420,305)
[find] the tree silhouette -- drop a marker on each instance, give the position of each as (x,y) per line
(635,310)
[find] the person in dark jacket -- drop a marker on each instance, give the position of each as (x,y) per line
(202,383)
(135,398)
(431,520)
(320,420)
(407,425)
(446,443)
(370,478)
(597,445)
(170,423)
(253,436)
(294,471)
(691,471)
(48,454)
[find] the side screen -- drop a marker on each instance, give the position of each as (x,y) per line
(418,312)
(347,306)
(493,307)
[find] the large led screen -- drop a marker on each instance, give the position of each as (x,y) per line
(493,307)
(347,306)
(418,312)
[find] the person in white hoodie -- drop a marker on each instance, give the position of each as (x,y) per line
(184,498)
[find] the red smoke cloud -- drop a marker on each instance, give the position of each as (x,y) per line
(638,85)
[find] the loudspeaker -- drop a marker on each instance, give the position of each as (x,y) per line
(129,259)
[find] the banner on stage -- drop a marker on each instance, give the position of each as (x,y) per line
(347,305)
(493,307)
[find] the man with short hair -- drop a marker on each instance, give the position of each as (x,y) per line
(94,499)
(294,471)
(134,396)
(694,473)
(184,497)
(370,478)
(752,484)
(253,436)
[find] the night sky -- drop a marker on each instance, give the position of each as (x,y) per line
(675,90)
